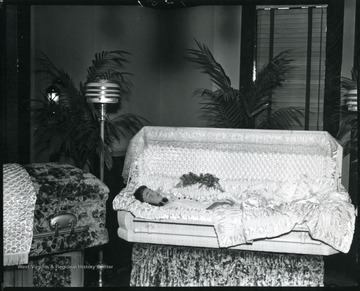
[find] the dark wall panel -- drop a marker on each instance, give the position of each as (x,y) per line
(334,45)
(16,128)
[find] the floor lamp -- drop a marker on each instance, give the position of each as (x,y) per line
(102,93)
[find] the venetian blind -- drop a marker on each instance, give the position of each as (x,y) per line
(302,30)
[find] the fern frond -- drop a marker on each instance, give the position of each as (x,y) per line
(348,123)
(206,61)
(229,107)
(269,78)
(284,118)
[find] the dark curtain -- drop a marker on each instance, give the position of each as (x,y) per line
(16,84)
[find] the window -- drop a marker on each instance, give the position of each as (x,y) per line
(302,31)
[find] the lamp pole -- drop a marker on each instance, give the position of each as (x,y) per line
(102,134)
(103,93)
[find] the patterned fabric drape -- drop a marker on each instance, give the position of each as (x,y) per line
(170,266)
(63,188)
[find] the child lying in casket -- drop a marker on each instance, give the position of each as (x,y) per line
(144,194)
(243,212)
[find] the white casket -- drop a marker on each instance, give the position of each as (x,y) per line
(286,186)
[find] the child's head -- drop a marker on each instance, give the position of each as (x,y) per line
(144,194)
(139,193)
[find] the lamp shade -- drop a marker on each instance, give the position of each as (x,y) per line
(350,100)
(52,93)
(102,92)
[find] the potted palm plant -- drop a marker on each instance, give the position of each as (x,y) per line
(244,108)
(69,125)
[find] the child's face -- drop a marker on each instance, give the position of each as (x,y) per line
(151,196)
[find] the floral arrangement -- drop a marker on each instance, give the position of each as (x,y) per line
(207,180)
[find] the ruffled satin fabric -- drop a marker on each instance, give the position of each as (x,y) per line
(327,213)
(261,210)
(170,266)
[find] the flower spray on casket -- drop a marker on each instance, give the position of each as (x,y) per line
(207,180)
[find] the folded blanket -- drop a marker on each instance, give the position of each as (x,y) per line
(19,198)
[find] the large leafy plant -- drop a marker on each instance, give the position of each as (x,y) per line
(70,126)
(243,108)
